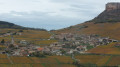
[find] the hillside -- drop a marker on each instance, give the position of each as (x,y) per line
(107,24)
(103,29)
(33,36)
(106,49)
(4,24)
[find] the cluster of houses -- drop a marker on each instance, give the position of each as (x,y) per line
(23,49)
(68,43)
(10,33)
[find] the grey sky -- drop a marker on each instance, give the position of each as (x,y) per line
(50,14)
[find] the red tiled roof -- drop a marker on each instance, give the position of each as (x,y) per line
(40,49)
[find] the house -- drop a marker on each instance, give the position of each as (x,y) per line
(23,42)
(46,50)
(31,51)
(81,48)
(18,33)
(59,53)
(40,49)
(24,53)
(71,51)
(16,52)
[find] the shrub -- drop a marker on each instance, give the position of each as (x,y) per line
(38,54)
(3,41)
(21,31)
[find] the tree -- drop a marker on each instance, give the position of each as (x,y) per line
(62,51)
(78,64)
(38,54)
(64,39)
(11,46)
(3,41)
(20,30)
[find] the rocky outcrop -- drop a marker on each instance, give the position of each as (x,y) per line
(110,14)
(112,6)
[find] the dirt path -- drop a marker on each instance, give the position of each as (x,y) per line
(9,59)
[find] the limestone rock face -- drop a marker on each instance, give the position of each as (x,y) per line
(110,14)
(112,6)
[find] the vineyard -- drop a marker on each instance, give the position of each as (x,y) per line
(58,61)
(100,60)
(49,61)
(106,49)
(113,60)
(40,38)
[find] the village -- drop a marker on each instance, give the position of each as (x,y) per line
(67,44)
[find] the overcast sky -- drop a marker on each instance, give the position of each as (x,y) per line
(50,14)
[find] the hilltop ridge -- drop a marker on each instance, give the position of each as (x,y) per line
(5,24)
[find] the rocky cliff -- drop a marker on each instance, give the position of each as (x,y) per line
(112,6)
